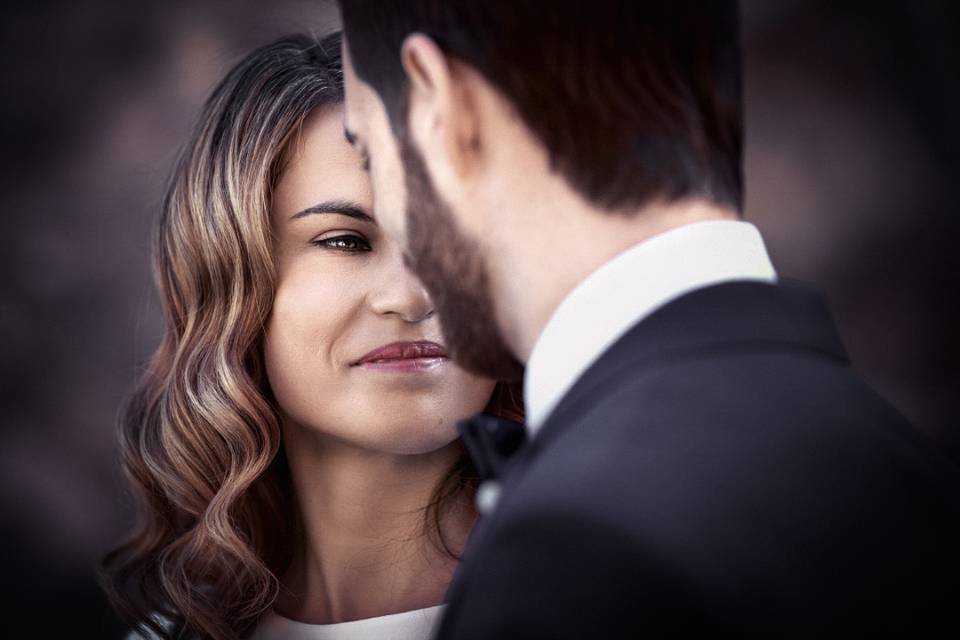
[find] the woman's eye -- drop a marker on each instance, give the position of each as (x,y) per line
(344,243)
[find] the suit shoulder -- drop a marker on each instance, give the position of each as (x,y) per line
(703,453)
(730,412)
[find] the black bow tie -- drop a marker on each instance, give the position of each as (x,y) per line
(491,441)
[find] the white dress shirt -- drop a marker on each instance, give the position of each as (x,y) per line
(626,289)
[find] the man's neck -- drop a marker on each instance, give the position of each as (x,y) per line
(363,550)
(576,245)
(627,289)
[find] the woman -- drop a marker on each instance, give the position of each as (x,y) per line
(292,442)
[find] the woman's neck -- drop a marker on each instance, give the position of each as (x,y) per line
(364,549)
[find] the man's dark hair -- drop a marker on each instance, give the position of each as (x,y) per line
(634,100)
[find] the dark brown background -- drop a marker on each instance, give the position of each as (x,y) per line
(852,138)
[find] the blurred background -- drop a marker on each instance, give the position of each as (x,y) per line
(852,149)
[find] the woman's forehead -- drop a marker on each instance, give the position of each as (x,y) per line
(321,167)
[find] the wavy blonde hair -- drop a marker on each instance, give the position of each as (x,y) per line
(200,440)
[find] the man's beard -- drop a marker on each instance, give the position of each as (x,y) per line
(452,270)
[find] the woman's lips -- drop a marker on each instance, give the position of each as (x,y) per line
(405,357)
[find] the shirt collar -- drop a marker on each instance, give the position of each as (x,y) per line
(628,288)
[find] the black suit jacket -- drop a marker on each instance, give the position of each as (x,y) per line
(720,468)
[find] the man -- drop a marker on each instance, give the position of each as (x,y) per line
(701,455)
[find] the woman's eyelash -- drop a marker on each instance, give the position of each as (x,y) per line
(347,242)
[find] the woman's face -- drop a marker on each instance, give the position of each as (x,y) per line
(343,292)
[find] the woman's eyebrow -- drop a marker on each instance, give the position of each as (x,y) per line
(341,207)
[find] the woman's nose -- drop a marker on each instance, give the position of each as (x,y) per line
(402,294)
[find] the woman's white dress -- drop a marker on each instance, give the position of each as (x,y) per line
(419,624)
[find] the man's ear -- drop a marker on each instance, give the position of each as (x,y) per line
(441,116)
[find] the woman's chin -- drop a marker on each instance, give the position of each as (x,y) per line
(413,442)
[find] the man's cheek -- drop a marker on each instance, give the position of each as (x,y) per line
(389,213)
(394,205)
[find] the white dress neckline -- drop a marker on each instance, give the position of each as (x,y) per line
(418,624)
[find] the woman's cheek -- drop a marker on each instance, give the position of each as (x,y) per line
(308,325)
(286,344)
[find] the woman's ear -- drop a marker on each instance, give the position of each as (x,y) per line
(442,119)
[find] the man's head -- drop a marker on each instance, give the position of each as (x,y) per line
(475,109)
